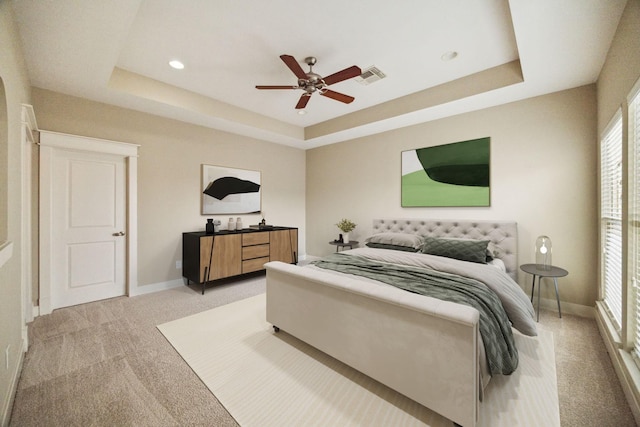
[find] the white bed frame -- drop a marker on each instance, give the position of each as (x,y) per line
(424,348)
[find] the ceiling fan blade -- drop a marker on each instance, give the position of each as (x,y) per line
(347,73)
(337,96)
(303,101)
(276,87)
(294,66)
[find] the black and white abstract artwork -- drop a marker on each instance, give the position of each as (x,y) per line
(230,191)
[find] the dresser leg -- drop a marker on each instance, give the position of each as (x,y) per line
(206,274)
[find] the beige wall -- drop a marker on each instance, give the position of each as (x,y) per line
(12,72)
(622,67)
(543,158)
(171,154)
(543,173)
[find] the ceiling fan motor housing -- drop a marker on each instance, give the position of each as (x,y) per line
(313,83)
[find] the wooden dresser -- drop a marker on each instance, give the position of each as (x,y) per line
(209,257)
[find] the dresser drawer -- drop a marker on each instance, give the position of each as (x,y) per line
(257,238)
(254,264)
(257,251)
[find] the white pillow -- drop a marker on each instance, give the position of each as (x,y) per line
(498,263)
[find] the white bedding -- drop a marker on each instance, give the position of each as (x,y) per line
(515,302)
(499,264)
(428,349)
(484,372)
(492,274)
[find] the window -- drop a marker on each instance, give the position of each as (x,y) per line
(4,177)
(634,217)
(611,218)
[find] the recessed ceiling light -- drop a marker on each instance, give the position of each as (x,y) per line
(176,64)
(302,112)
(448,56)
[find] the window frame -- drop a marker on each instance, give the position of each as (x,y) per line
(631,337)
(616,125)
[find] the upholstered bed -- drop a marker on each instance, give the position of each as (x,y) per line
(428,349)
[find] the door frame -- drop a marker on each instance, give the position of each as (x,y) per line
(49,143)
(28,137)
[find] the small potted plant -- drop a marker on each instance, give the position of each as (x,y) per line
(346,226)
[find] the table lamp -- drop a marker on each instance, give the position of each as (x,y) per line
(543,252)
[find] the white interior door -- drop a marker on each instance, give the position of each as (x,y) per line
(88,227)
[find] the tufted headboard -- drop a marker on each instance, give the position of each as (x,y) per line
(503,234)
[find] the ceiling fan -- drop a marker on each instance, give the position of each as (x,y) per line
(311,82)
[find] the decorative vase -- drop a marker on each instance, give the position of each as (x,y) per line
(209,226)
(239,223)
(345,237)
(232,225)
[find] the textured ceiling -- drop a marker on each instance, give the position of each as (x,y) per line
(117,52)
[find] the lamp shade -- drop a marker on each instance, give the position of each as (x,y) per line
(543,252)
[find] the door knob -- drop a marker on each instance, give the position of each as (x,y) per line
(119,233)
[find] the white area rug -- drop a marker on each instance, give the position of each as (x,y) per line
(268,379)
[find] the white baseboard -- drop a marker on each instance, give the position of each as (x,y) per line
(567,307)
(7,405)
(139,290)
(310,258)
(162,286)
(623,364)
(156,287)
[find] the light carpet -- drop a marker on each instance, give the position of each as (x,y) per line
(268,379)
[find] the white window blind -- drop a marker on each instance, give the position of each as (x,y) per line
(611,218)
(634,216)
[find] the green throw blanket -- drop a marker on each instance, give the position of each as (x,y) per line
(495,328)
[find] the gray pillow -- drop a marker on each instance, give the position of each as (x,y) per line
(397,239)
(392,247)
(461,249)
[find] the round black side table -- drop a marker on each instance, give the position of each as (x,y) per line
(343,245)
(540,271)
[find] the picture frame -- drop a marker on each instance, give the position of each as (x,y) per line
(449,175)
(226,190)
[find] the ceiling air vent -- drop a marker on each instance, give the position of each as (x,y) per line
(370,75)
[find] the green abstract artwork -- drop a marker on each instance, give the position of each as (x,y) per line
(447,175)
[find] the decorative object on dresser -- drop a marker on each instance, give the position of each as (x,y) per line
(210,257)
(230,191)
(212,226)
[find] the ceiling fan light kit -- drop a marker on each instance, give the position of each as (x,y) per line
(311,82)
